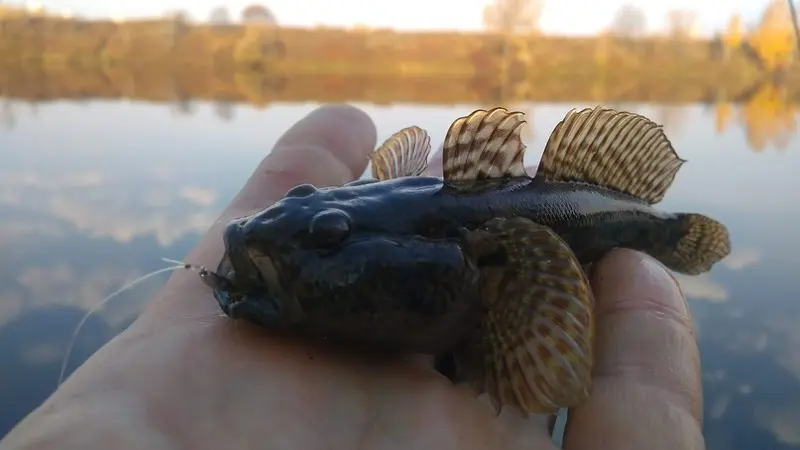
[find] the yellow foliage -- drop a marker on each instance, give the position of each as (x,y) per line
(776,47)
(258,45)
(722,116)
(251,86)
(774,39)
(768,118)
(733,33)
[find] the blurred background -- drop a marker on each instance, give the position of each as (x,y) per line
(125,128)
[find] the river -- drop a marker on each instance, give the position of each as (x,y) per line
(94,193)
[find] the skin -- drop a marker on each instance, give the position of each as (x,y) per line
(183,376)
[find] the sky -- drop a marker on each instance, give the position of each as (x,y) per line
(559,17)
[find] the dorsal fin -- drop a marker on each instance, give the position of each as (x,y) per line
(404,154)
(484,144)
(623,151)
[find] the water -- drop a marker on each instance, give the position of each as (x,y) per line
(92,194)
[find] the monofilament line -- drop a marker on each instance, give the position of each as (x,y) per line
(102,303)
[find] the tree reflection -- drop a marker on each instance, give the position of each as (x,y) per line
(224,109)
(184,105)
(767,115)
(7,117)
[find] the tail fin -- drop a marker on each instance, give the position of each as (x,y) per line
(702,243)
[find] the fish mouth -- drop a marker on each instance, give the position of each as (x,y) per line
(251,300)
(256,311)
(263,301)
(262,298)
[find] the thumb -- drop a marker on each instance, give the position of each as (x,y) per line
(647,389)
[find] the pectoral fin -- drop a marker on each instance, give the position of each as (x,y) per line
(404,154)
(617,150)
(533,347)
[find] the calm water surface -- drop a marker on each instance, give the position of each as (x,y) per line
(93,194)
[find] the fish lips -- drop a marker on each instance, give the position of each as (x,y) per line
(261,301)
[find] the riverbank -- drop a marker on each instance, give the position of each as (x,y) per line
(173,83)
(520,66)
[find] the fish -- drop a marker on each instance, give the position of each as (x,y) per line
(485,267)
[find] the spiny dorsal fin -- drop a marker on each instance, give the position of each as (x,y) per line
(404,154)
(617,150)
(484,144)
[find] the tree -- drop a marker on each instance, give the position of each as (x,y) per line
(258,14)
(180,20)
(773,39)
(178,15)
(219,16)
(734,32)
(513,16)
(681,23)
(629,21)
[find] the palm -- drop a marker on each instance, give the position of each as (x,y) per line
(314,396)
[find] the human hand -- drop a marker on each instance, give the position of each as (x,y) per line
(184,376)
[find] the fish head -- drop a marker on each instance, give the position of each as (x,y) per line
(342,261)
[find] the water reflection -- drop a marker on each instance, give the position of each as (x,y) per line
(767,111)
(92,194)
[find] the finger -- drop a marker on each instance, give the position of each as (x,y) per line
(435,163)
(647,388)
(330,146)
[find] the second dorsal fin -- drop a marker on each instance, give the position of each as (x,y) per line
(404,154)
(484,144)
(617,150)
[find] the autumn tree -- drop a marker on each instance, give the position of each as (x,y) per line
(680,23)
(773,38)
(513,16)
(258,14)
(180,23)
(629,21)
(178,15)
(219,16)
(734,32)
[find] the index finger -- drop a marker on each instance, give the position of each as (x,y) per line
(647,389)
(330,146)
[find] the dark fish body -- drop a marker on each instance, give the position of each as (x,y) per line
(591,219)
(486,266)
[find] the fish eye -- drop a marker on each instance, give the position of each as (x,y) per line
(302,190)
(329,228)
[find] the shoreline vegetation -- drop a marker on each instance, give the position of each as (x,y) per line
(747,74)
(259,60)
(502,64)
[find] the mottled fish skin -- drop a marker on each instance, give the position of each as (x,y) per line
(483,266)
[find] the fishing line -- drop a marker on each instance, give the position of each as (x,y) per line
(98,306)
